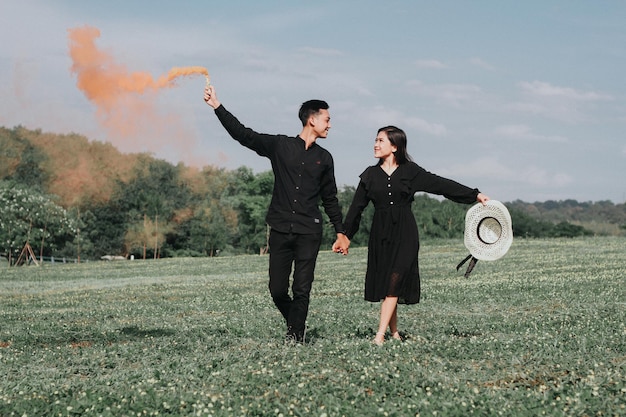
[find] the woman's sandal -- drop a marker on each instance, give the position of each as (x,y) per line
(376,340)
(396,335)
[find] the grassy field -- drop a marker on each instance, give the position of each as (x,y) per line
(540,332)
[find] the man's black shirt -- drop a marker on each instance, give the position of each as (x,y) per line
(301,178)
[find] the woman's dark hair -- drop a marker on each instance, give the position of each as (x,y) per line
(397,137)
(309,108)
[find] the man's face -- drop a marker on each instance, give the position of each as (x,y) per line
(321,123)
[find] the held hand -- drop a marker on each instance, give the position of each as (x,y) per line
(482,198)
(342,244)
(337,248)
(210,97)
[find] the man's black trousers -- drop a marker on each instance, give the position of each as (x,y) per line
(299,251)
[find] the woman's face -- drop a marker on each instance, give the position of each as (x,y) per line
(382,147)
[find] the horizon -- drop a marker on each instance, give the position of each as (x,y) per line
(433,196)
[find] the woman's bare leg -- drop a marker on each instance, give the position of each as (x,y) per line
(388,312)
(393,325)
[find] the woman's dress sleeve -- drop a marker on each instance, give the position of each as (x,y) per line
(359,202)
(422,180)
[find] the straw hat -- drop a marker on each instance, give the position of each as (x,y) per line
(488,230)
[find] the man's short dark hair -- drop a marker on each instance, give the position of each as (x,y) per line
(309,108)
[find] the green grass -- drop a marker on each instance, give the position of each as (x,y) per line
(541,331)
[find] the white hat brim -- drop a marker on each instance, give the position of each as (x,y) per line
(488,230)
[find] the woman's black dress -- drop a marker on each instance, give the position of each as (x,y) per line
(392,261)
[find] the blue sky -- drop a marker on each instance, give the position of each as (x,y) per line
(522,99)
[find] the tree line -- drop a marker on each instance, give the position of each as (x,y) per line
(68,197)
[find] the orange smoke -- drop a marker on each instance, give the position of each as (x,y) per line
(125,99)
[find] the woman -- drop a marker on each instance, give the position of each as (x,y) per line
(392,266)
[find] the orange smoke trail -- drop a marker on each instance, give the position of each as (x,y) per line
(103,80)
(124,99)
(178,72)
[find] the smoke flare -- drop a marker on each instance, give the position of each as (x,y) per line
(103,80)
(124,100)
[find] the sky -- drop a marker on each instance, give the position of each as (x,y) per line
(525,100)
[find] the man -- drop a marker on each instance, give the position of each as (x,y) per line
(303,174)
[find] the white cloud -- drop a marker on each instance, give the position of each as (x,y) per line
(454,94)
(382,116)
(564,104)
(540,177)
(512,130)
(424,126)
(492,169)
(320,51)
(543,89)
(485,167)
(560,111)
(525,132)
(482,64)
(430,63)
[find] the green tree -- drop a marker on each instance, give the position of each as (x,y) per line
(105,227)
(10,152)
(524,225)
(222,222)
(448,217)
(566,229)
(208,223)
(428,224)
(28,170)
(81,246)
(29,217)
(250,196)
(156,192)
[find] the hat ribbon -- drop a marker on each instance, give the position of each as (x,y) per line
(470,266)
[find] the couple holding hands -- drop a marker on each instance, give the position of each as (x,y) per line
(304,175)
